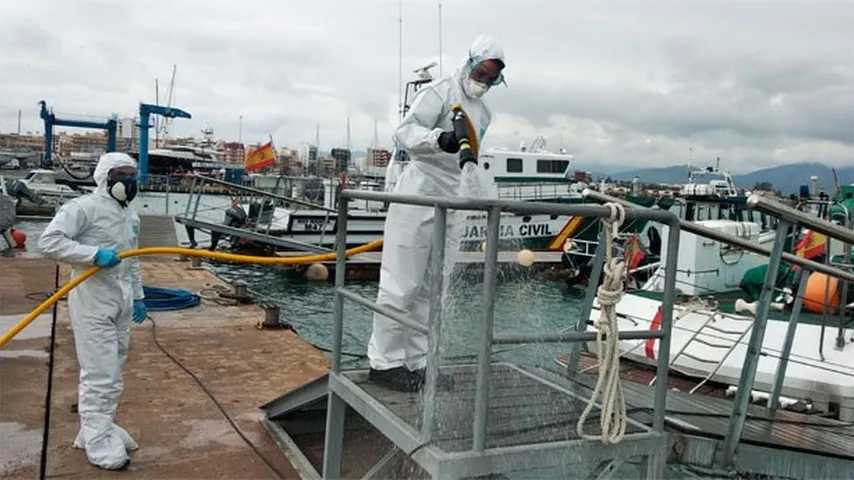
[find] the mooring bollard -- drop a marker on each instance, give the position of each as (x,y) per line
(271,316)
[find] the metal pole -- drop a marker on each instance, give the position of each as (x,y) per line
(323,229)
(198,198)
(671,259)
(587,306)
(143,146)
(843,292)
(111,134)
(484,360)
(260,215)
(754,349)
(573,337)
(787,345)
(437,263)
(333,444)
(47,161)
(340,270)
(190,197)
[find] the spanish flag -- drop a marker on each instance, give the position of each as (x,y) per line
(260,157)
(811,245)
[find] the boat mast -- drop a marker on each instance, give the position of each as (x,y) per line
(440,39)
(400,58)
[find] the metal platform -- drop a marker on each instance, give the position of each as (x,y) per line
(783,443)
(531,425)
(495,418)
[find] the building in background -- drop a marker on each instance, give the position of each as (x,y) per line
(287,160)
(308,157)
(30,142)
(326,166)
(89,142)
(378,157)
(342,160)
(233,152)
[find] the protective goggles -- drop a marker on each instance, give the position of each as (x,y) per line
(116,175)
(488,72)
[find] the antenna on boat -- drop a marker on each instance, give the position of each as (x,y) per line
(400,58)
(348,133)
(376,138)
(440,39)
(156,102)
(168,121)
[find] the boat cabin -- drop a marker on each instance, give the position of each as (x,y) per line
(506,166)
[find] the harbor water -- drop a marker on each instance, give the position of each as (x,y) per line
(525,304)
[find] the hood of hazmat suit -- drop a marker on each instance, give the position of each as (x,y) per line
(407,246)
(100,308)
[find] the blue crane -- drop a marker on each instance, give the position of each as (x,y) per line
(50,121)
(145,112)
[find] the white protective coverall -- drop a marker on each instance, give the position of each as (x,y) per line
(100,308)
(407,241)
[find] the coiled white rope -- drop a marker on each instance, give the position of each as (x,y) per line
(608,390)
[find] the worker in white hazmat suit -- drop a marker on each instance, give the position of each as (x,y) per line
(397,354)
(91,230)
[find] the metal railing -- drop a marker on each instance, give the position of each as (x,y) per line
(339,387)
(261,221)
(787,218)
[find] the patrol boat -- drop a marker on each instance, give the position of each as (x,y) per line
(525,174)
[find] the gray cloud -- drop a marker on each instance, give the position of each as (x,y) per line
(617,84)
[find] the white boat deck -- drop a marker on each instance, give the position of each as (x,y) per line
(719,345)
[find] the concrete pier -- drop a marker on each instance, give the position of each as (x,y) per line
(180,432)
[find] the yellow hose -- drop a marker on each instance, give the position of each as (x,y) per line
(226,257)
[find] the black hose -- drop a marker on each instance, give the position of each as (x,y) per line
(47,401)
(278,474)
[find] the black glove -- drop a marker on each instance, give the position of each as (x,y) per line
(448,142)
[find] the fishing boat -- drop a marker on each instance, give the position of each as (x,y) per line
(713,320)
(710,198)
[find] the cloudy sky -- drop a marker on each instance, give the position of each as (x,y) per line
(617,84)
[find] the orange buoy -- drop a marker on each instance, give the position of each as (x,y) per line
(19,237)
(819,285)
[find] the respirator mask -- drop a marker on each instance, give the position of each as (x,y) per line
(122,186)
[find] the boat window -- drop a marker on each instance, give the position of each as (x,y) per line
(552,166)
(514,165)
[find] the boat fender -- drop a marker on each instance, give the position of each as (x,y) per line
(819,285)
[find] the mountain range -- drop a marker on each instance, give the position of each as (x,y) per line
(785,178)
